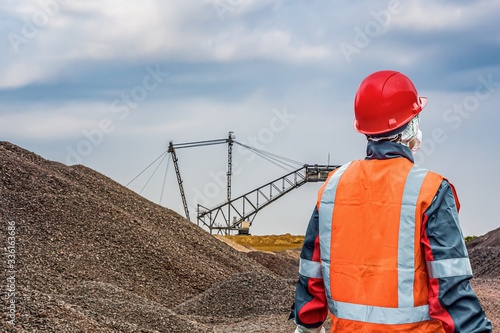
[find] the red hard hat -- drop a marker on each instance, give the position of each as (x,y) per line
(385,100)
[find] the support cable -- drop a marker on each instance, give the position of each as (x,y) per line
(278,157)
(273,158)
(274,161)
(153,174)
(164,181)
(146,168)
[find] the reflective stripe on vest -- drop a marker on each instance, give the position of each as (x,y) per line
(325,229)
(406,242)
(380,315)
(309,268)
(406,312)
(449,267)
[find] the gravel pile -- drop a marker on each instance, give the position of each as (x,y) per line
(485,262)
(88,249)
(484,253)
(490,239)
(45,313)
(95,313)
(278,263)
(243,295)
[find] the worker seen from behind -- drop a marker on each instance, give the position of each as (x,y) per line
(384,251)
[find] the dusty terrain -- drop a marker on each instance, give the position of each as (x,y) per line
(92,256)
(484,253)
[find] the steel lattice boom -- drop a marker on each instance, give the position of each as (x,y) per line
(238,214)
(245,207)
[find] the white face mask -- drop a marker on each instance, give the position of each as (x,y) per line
(418,142)
(411,131)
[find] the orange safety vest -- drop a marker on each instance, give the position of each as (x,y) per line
(374,271)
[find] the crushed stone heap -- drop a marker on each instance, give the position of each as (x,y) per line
(484,253)
(93,256)
(241,296)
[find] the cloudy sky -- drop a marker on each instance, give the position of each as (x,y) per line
(108,84)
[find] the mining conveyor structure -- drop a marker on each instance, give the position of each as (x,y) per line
(244,208)
(237,214)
